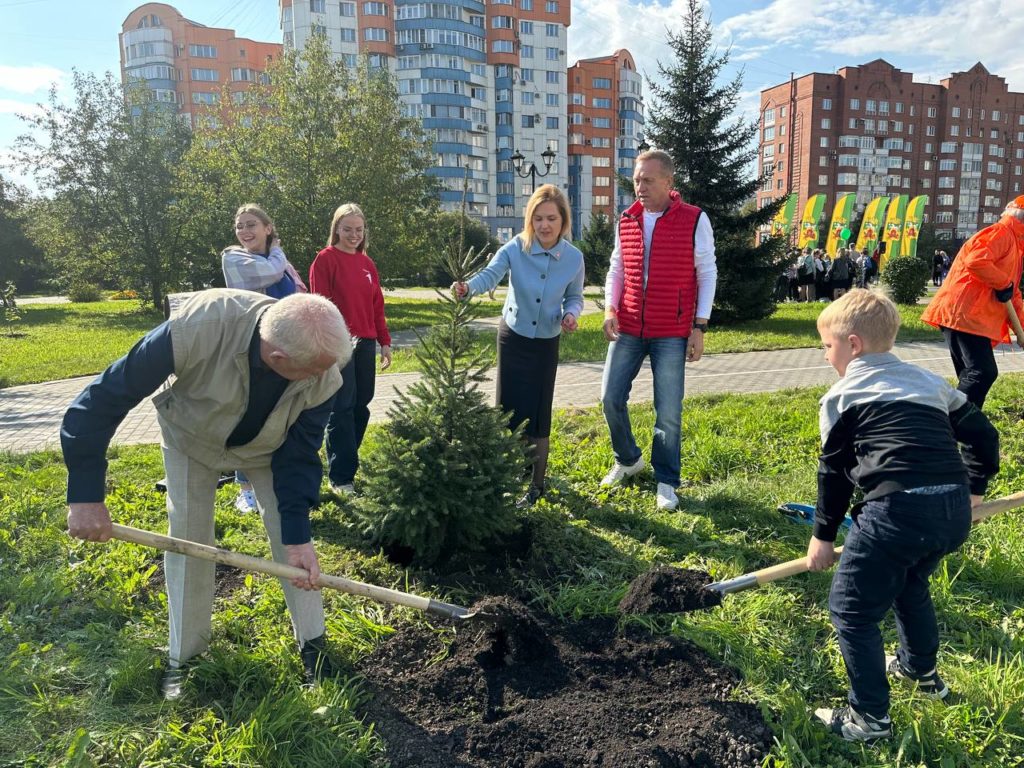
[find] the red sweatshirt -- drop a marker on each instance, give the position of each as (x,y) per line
(350,281)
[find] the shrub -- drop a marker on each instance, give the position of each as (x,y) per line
(442,478)
(82,292)
(126,295)
(906,278)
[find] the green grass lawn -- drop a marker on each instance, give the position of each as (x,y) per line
(82,625)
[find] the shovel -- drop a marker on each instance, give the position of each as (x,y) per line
(793,567)
(284,571)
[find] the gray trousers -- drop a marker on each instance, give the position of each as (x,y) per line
(191,487)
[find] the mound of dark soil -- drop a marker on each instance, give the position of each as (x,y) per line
(523,693)
(665,589)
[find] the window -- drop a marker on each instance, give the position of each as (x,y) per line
(601,82)
(826,103)
(602,200)
(823,161)
(348,9)
(847,178)
(932,111)
(602,122)
(853,122)
(994,168)
(883,126)
(826,123)
(602,162)
(945,199)
(947,147)
(602,181)
(501,22)
(551,122)
(769,117)
(822,180)
(824,141)
(348,35)
(375,34)
(769,134)
(552,77)
(897,126)
(955,113)
(929,130)
(602,103)
(601,142)
(945,182)
(883,107)
(782,148)
(318,6)
(204,98)
(502,46)
(551,54)
(551,99)
(995,115)
(871,106)
(869,124)
(551,6)
(551,30)
(526,5)
(526,98)
(526,74)
(854,103)
(528,121)
(526,52)
(202,51)
(525,27)
(206,75)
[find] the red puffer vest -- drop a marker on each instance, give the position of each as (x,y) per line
(666,308)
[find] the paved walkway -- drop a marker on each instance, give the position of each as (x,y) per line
(30,415)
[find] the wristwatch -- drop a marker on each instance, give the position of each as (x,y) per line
(702,327)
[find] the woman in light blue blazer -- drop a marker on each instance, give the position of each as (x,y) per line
(545,297)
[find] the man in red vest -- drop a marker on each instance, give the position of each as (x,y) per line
(658,295)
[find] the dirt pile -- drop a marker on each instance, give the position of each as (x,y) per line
(665,589)
(523,693)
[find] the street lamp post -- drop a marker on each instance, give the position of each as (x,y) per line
(548,156)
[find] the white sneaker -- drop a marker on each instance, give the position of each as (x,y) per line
(620,472)
(348,489)
(667,499)
(245,502)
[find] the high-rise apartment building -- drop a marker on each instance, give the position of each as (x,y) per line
(486,79)
(606,123)
(873,130)
(187,64)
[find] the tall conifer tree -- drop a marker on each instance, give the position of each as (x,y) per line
(714,153)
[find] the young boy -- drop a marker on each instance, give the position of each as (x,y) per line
(892,429)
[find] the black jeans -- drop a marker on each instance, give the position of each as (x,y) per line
(351,413)
(895,544)
(974,363)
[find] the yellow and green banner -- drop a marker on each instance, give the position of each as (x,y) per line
(912,225)
(809,221)
(783,220)
(893,235)
(839,229)
(871,225)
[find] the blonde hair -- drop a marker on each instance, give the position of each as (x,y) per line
(265,220)
(546,193)
(662,157)
(869,314)
(305,326)
(349,209)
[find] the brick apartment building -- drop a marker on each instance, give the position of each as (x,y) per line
(873,130)
(606,123)
(186,64)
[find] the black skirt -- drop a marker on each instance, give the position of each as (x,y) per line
(526,379)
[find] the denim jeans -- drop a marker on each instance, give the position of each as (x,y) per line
(351,413)
(668,360)
(895,544)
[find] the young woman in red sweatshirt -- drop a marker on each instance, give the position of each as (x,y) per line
(345,274)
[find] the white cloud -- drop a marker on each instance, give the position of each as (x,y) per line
(14,107)
(30,78)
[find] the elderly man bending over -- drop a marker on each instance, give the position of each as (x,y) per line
(254,382)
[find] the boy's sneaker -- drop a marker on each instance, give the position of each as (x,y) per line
(620,472)
(346,489)
(853,726)
(929,685)
(245,502)
(667,499)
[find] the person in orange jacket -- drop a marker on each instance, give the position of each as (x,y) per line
(973,305)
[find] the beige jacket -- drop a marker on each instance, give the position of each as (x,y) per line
(210,335)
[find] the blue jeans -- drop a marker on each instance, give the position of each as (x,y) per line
(668,360)
(895,544)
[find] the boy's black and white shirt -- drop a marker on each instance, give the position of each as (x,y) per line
(889,426)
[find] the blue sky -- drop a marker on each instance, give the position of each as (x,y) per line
(44,39)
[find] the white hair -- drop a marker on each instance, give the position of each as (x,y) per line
(305,326)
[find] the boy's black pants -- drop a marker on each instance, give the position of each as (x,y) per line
(974,363)
(895,544)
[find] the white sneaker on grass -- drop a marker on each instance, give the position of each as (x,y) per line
(620,472)
(667,499)
(245,501)
(346,489)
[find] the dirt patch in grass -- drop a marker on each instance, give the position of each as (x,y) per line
(665,589)
(532,693)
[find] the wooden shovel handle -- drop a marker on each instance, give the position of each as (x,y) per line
(793,567)
(270,567)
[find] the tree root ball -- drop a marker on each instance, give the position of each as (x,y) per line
(522,690)
(665,589)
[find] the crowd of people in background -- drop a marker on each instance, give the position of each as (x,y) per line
(813,275)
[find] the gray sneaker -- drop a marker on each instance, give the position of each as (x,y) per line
(854,726)
(620,472)
(929,685)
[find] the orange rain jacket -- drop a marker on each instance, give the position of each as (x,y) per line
(989,261)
